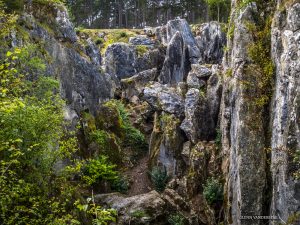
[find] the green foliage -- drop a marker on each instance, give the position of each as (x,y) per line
(176,219)
(120,185)
(99,41)
(141,50)
(296,160)
(100,216)
(32,141)
(260,53)
(133,138)
(160,178)
(15,5)
(8,22)
(138,214)
(97,170)
(218,139)
(218,8)
(123,34)
(213,191)
(230,32)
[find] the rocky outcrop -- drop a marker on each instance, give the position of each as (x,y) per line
(174,70)
(243,144)
(124,60)
(120,59)
(141,40)
(211,40)
(93,52)
(181,26)
(285,112)
(140,209)
(166,143)
(164,98)
(202,102)
(82,85)
(134,86)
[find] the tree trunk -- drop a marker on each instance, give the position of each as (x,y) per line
(218,12)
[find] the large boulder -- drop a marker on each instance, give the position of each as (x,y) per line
(134,86)
(242,125)
(211,39)
(124,60)
(173,70)
(146,208)
(202,103)
(120,59)
(181,26)
(164,98)
(197,123)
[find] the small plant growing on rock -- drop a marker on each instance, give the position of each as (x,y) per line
(138,214)
(99,41)
(160,178)
(121,184)
(213,191)
(296,160)
(176,219)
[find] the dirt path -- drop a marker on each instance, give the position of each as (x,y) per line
(138,175)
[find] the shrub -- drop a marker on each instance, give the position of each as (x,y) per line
(121,185)
(97,170)
(123,34)
(176,219)
(99,41)
(16,5)
(133,138)
(213,191)
(159,177)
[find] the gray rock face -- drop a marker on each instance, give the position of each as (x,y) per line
(64,25)
(141,40)
(243,144)
(202,102)
(286,114)
(173,70)
(150,204)
(211,40)
(197,123)
(181,26)
(163,98)
(120,59)
(166,143)
(93,52)
(82,85)
(135,85)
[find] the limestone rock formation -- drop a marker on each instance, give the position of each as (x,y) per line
(285,111)
(82,85)
(211,40)
(141,40)
(242,126)
(174,70)
(135,85)
(164,98)
(120,59)
(139,209)
(181,26)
